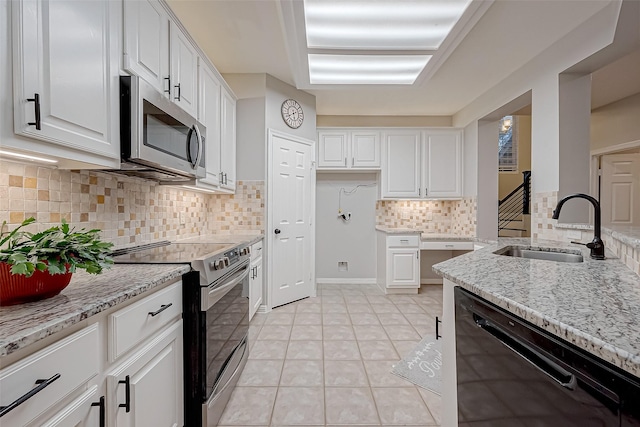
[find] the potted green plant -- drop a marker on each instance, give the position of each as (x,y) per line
(39,265)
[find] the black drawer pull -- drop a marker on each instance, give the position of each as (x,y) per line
(42,384)
(160,310)
(127,394)
(36,101)
(437,332)
(102,411)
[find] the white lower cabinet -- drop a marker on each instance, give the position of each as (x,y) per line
(256,279)
(398,262)
(147,388)
(86,380)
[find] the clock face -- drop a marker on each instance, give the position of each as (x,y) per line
(292,113)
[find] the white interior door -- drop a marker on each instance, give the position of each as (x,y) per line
(620,189)
(291,205)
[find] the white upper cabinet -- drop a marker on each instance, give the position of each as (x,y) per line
(348,149)
(422,163)
(333,149)
(401,164)
(442,163)
(209,116)
(156,49)
(66,67)
(365,149)
(184,71)
(146,42)
(228,140)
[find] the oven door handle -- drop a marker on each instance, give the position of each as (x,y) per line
(215,294)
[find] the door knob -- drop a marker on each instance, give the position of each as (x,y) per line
(277,231)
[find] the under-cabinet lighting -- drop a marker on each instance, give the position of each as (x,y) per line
(382,24)
(26,157)
(199,189)
(365,69)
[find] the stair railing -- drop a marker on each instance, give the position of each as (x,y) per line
(516,203)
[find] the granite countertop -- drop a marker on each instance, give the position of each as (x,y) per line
(249,238)
(395,230)
(628,235)
(86,295)
(594,304)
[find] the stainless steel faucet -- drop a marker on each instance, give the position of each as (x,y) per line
(596,245)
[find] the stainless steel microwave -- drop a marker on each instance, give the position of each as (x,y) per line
(158,139)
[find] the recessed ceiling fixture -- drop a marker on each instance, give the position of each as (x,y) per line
(380,24)
(365,69)
(375,41)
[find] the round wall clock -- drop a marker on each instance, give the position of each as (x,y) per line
(292,113)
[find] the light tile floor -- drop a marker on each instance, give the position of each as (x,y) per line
(326,361)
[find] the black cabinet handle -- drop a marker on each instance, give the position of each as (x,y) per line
(160,310)
(177,87)
(127,394)
(168,90)
(103,415)
(437,331)
(277,231)
(42,384)
(36,101)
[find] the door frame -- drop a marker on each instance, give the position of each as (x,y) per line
(271,133)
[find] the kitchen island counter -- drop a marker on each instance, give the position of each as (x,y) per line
(87,295)
(593,304)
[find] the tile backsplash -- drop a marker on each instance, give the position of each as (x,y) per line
(127,210)
(432,216)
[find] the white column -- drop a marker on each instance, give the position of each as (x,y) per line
(487,180)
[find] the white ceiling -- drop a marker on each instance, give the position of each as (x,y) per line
(248,36)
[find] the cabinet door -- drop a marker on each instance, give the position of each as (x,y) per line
(401,164)
(442,164)
(209,116)
(184,71)
(365,149)
(255,287)
(66,85)
(228,140)
(146,42)
(155,379)
(403,268)
(333,149)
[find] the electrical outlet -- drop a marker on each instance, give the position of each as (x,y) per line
(429,216)
(404,214)
(574,234)
(181,217)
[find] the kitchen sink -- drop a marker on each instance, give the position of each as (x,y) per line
(546,254)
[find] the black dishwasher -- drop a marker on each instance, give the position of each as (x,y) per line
(512,373)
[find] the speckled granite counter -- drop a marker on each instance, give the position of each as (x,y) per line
(427,237)
(86,295)
(393,230)
(594,304)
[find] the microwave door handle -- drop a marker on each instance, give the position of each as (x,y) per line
(214,295)
(200,146)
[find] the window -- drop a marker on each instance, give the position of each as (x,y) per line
(508,145)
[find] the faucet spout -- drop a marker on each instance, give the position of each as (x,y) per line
(596,245)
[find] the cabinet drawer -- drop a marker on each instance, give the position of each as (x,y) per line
(403,241)
(137,322)
(447,246)
(256,251)
(67,364)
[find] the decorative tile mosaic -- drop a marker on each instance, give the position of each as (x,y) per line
(431,216)
(542,226)
(127,210)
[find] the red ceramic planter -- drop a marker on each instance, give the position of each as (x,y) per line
(17,289)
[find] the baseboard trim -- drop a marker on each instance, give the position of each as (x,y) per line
(339,281)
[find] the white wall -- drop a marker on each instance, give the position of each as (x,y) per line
(353,242)
(250,139)
(279,91)
(470,153)
(616,123)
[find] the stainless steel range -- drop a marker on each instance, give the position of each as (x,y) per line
(215,317)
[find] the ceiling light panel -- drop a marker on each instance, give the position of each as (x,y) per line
(365,69)
(380,24)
